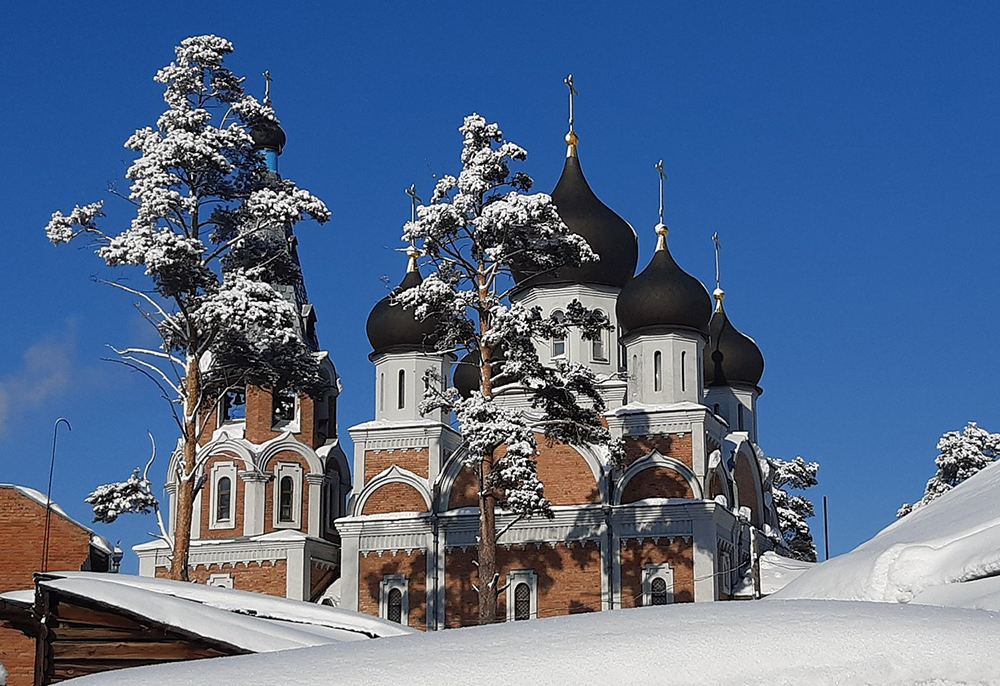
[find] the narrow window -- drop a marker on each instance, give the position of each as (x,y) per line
(333,504)
(715,409)
(522,602)
(333,417)
(683,371)
(286,488)
(658,591)
(657,371)
(401,390)
(739,417)
(559,340)
(381,392)
(394,606)
(282,406)
(598,346)
(223,499)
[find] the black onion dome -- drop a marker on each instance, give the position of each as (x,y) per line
(731,357)
(267,134)
(609,235)
(391,328)
(663,294)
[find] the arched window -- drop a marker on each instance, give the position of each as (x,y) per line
(286,489)
(394,606)
(657,371)
(739,417)
(598,345)
(522,602)
(658,591)
(559,341)
(683,371)
(223,499)
(715,409)
(401,390)
(234,407)
(282,406)
(381,392)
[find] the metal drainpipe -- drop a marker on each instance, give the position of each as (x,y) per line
(611,540)
(437,560)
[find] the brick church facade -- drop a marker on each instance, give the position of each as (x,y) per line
(682,521)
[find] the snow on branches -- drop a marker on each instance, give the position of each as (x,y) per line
(130,496)
(211,230)
(794,510)
(960,455)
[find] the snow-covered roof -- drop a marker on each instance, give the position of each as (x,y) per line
(96,539)
(953,540)
(755,643)
(247,621)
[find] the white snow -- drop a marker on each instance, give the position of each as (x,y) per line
(249,621)
(776,571)
(791,642)
(952,539)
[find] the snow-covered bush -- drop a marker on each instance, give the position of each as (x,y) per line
(478,230)
(960,455)
(210,231)
(794,510)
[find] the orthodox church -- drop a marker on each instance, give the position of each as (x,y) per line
(683,520)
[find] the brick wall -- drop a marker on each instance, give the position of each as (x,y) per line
(465,491)
(22,532)
(656,482)
(635,555)
(377,461)
(395,497)
(260,418)
(566,475)
(677,446)
(260,578)
(569,580)
(374,567)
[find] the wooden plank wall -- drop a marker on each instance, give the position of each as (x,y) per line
(80,638)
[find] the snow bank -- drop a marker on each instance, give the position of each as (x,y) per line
(953,539)
(791,642)
(777,571)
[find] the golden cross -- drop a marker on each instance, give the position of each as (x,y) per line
(663,177)
(718,249)
(267,88)
(414,199)
(572,92)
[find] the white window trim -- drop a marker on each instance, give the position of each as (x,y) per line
(294,470)
(650,572)
(390,582)
(221,580)
(522,576)
(219,470)
(603,340)
(564,355)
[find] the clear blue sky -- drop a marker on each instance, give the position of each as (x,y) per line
(847,153)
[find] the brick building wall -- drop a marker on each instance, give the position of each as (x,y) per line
(22,532)
(377,461)
(395,497)
(677,446)
(635,555)
(568,577)
(413,565)
(267,577)
(656,482)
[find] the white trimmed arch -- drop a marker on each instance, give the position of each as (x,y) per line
(287,442)
(655,459)
(392,475)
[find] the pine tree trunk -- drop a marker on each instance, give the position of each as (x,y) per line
(185,486)
(487,549)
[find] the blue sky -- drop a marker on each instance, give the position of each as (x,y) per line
(848,154)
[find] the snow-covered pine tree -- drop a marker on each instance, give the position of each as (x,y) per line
(960,455)
(794,510)
(478,230)
(209,232)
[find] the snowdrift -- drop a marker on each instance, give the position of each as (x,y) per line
(791,642)
(942,554)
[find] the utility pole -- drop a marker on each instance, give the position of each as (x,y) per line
(826,531)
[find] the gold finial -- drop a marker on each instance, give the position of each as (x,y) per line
(571,138)
(412,251)
(267,88)
(718,293)
(661,228)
